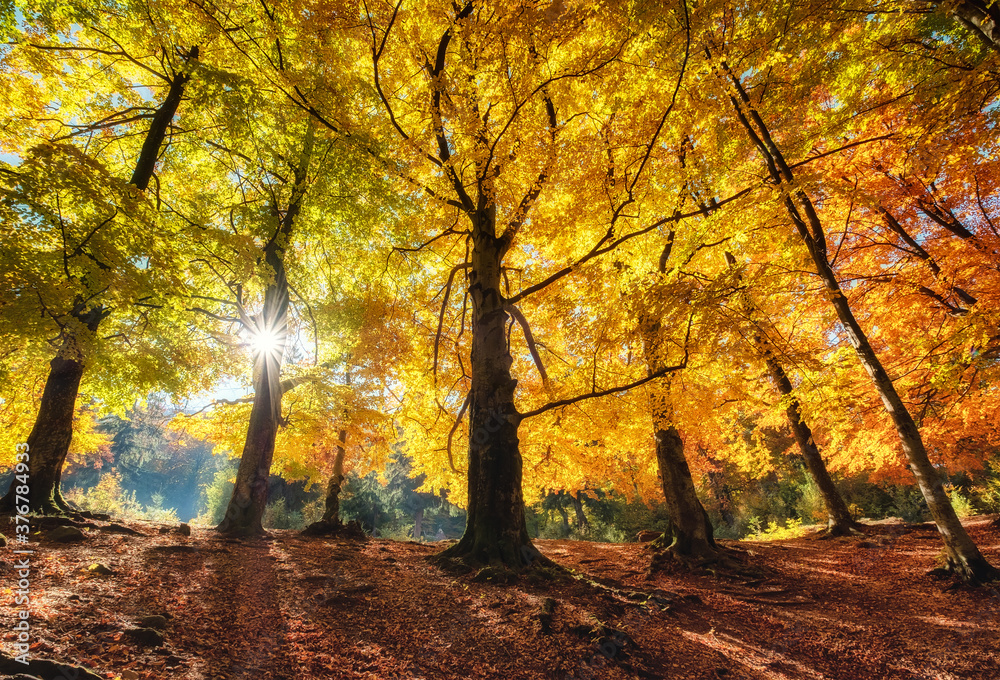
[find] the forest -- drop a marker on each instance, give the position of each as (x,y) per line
(500,339)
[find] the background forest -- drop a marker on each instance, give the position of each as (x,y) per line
(504,270)
(145,471)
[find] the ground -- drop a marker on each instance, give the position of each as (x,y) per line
(296,607)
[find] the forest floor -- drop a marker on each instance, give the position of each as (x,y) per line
(290,607)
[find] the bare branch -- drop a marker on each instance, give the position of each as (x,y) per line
(529,338)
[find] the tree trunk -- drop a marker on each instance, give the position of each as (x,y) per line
(49,441)
(52,432)
(691,531)
(839,520)
(332,514)
(563,514)
(963,555)
(980,17)
(249,499)
(495,533)
(418,520)
(581,518)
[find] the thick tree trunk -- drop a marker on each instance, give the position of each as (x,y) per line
(249,499)
(48,443)
(963,555)
(52,431)
(495,533)
(839,520)
(982,18)
(691,531)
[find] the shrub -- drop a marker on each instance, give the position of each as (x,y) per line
(811,508)
(109,497)
(959,501)
(215,497)
(278,516)
(793,529)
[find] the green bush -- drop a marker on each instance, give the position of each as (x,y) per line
(811,507)
(909,504)
(278,516)
(215,497)
(109,497)
(987,495)
(959,501)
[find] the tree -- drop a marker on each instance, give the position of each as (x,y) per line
(73,200)
(963,555)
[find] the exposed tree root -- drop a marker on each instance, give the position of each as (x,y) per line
(534,567)
(841,530)
(45,669)
(663,600)
(350,530)
(719,562)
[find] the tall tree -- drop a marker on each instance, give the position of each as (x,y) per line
(963,554)
(96,252)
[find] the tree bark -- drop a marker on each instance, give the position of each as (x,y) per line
(691,532)
(249,499)
(962,553)
(581,518)
(563,514)
(496,533)
(332,513)
(839,520)
(981,18)
(418,520)
(49,441)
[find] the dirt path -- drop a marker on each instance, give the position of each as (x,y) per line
(294,607)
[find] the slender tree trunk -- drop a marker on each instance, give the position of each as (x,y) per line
(963,555)
(52,432)
(839,520)
(563,514)
(418,521)
(332,514)
(495,533)
(581,518)
(723,495)
(249,499)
